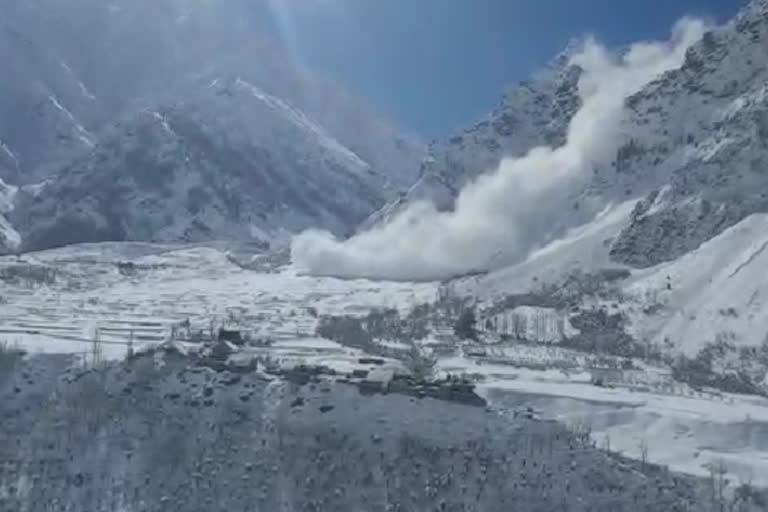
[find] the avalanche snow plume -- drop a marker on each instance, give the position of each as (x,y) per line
(501,216)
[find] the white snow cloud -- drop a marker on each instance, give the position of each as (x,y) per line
(501,216)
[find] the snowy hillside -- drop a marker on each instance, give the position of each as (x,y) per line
(228,162)
(85,289)
(716,291)
(698,137)
(711,293)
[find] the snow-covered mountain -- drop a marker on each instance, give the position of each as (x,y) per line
(83,80)
(228,162)
(680,209)
(72,69)
(694,147)
(699,141)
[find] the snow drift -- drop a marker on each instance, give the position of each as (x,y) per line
(501,216)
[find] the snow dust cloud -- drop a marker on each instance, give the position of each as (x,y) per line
(499,217)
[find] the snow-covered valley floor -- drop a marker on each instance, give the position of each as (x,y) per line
(166,286)
(86,295)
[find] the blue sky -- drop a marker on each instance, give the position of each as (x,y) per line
(434,66)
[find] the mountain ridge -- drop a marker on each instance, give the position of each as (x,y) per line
(203,168)
(71,100)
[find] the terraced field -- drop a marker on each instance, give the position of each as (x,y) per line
(62,300)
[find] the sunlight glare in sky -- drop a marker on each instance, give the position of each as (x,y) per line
(281,13)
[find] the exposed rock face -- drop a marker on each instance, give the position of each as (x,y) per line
(157,434)
(703,130)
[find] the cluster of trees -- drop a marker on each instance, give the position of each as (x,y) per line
(722,365)
(420,363)
(29,274)
(378,324)
(9,356)
(465,327)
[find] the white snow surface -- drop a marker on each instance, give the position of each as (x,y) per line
(687,430)
(719,288)
(172,284)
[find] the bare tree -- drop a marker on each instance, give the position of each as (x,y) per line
(718,484)
(9,355)
(643,453)
(607,442)
(420,364)
(520,326)
(465,326)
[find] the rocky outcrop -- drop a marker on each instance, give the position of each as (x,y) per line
(653,237)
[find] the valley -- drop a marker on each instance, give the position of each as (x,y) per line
(225,281)
(145,295)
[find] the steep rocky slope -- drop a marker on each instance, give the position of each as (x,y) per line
(700,133)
